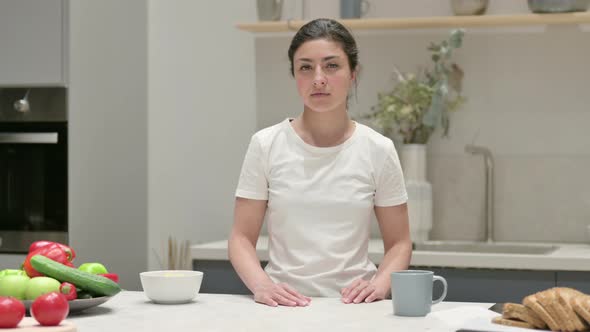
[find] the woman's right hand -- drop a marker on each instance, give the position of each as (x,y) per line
(279,294)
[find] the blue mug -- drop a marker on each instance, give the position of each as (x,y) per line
(353,8)
(411,292)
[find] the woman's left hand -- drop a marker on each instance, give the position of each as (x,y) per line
(364,291)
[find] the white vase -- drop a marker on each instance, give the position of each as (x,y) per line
(413,161)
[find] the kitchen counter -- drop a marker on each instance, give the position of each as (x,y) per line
(568,257)
(132,311)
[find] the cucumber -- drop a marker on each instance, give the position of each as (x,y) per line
(88,281)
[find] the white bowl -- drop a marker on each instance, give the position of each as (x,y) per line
(171,286)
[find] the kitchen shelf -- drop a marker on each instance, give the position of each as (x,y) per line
(430,22)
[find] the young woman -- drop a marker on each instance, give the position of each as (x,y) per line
(316,180)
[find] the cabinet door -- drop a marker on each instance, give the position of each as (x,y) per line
(31,42)
(573,279)
(220,277)
(485,285)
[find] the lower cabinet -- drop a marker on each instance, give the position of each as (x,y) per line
(465,285)
(485,285)
(574,279)
(220,277)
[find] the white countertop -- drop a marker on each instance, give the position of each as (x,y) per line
(132,311)
(568,257)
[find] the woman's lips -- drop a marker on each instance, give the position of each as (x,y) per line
(320,94)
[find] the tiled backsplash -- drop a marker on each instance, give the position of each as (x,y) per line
(537,198)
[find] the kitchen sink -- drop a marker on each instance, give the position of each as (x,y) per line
(484,247)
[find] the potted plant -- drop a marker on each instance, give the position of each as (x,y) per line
(411,112)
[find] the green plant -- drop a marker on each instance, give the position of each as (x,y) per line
(417,103)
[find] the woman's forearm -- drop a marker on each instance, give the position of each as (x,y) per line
(242,254)
(396,258)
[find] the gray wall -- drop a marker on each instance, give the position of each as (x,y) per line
(108,135)
(527,102)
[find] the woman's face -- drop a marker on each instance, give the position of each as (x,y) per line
(323,75)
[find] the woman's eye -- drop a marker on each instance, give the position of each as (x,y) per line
(332,65)
(305,67)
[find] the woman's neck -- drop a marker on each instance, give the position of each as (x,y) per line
(324,129)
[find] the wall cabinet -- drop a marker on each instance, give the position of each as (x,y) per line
(33,42)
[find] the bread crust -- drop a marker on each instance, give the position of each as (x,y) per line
(511,322)
(532,302)
(581,305)
(565,296)
(521,312)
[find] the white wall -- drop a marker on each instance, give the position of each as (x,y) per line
(201,116)
(108,135)
(159,86)
(527,101)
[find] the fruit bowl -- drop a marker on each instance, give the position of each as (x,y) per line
(79,304)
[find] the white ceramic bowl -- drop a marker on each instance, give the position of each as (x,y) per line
(171,286)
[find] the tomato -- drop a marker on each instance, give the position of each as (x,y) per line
(12,312)
(50,309)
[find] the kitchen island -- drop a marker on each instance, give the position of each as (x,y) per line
(133,311)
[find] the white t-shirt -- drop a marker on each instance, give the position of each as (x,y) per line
(320,202)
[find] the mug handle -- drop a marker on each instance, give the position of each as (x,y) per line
(365,6)
(444,294)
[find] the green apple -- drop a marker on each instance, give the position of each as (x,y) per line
(41,285)
(14,285)
(94,268)
(12,272)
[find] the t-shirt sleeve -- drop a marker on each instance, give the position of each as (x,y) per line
(391,188)
(253,182)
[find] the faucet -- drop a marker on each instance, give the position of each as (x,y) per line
(489,194)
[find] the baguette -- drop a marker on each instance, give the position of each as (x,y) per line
(520,312)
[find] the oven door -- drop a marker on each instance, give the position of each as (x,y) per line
(33,184)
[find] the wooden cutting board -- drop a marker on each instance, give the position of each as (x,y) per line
(29,324)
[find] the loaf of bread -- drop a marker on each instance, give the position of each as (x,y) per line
(558,308)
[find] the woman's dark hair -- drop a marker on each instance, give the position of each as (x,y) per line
(324,28)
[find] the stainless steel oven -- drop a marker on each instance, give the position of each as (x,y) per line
(33,183)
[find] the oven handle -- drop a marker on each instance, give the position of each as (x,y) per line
(29,138)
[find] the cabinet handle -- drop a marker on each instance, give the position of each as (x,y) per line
(28,138)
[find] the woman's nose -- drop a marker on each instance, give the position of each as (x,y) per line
(319,79)
(319,83)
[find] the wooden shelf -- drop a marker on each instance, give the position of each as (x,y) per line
(430,22)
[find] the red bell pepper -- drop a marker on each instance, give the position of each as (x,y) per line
(69,290)
(40,244)
(53,251)
(113,276)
